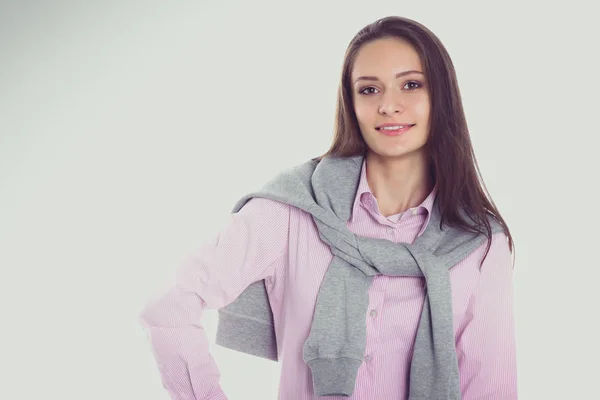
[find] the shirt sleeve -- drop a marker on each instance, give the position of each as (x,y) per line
(486,339)
(249,248)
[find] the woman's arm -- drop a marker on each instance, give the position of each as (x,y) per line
(247,250)
(486,340)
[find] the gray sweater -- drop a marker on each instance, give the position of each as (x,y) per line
(335,346)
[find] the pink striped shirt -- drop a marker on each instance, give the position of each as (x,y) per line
(280,243)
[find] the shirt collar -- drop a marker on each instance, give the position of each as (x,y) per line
(364,196)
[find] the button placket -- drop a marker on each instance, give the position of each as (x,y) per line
(390,232)
(374,322)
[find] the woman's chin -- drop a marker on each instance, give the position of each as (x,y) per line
(392,152)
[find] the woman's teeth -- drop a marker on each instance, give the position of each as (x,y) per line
(394,128)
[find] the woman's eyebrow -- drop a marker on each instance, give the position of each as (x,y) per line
(398,75)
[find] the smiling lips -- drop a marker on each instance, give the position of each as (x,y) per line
(394,130)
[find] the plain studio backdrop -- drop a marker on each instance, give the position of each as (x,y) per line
(128,130)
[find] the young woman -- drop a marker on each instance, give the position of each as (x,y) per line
(399,110)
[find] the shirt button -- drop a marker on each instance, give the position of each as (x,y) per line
(415,211)
(368,357)
(373,313)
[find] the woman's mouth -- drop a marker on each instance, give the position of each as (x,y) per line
(394,130)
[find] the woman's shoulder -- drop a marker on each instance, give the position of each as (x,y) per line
(261,208)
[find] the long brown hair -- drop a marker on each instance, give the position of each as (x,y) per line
(453,166)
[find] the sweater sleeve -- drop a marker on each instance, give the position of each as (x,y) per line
(486,340)
(249,248)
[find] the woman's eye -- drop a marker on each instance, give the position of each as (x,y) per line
(418,85)
(363,91)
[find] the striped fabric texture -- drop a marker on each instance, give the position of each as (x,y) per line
(280,243)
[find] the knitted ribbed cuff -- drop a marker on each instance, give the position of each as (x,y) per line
(258,338)
(334,376)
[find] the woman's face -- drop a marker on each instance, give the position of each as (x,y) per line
(385,91)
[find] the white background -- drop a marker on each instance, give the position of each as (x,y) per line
(129,130)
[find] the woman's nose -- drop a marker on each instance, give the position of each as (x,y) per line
(390,105)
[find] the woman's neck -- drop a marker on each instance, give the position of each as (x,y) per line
(398,184)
